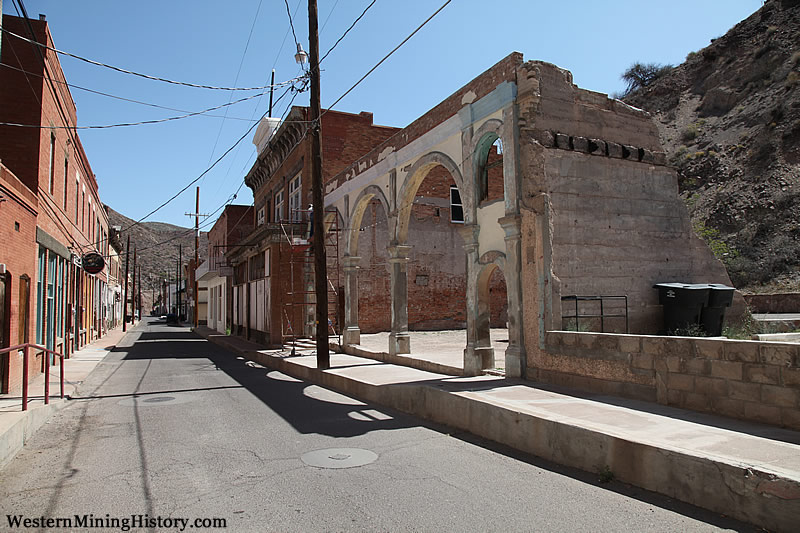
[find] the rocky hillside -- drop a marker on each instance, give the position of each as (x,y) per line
(729,118)
(157,249)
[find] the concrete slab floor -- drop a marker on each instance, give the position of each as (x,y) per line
(443,346)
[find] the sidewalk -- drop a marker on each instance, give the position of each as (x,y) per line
(747,471)
(17,426)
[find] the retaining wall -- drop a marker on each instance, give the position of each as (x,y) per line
(748,380)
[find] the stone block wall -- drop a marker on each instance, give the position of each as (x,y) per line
(747,380)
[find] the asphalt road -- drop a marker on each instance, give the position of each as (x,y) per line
(171,426)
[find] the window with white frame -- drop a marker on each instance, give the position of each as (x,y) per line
(294,199)
(456,209)
(279,206)
(260,217)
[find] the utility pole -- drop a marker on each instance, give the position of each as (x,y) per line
(197,216)
(320,259)
(180,278)
(133,296)
(125,298)
(139,300)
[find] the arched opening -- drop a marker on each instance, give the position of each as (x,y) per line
(492,319)
(436,268)
(489,169)
(371,235)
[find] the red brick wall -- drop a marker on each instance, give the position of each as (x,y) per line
(18,252)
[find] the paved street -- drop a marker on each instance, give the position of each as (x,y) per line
(172,426)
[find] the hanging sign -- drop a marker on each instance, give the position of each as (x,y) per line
(93,263)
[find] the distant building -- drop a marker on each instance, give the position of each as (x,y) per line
(69,307)
(215,275)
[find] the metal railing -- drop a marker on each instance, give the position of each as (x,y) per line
(25,348)
(602,315)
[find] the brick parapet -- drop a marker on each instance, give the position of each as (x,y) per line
(749,380)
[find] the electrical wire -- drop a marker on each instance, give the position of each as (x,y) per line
(122,98)
(395,49)
(347,30)
(141,75)
(291,24)
(140,123)
(206,171)
(236,80)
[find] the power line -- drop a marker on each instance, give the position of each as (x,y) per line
(291,24)
(206,171)
(404,41)
(236,80)
(116,97)
(146,76)
(348,29)
(140,123)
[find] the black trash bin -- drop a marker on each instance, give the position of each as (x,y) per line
(683,304)
(720,297)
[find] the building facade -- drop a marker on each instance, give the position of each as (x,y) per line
(39,145)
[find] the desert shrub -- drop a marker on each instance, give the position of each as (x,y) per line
(640,75)
(718,247)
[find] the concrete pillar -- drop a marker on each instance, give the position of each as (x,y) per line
(478,354)
(399,340)
(515,353)
(351,333)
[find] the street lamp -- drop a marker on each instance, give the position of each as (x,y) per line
(301,56)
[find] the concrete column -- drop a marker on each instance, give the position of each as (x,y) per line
(516,362)
(511,178)
(476,355)
(399,340)
(351,333)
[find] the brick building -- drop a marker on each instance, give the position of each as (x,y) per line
(215,275)
(271,297)
(39,145)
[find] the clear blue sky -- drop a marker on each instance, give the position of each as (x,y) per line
(206,42)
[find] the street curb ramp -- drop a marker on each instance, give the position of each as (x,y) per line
(757,496)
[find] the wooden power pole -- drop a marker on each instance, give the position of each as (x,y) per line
(320,259)
(125,296)
(195,288)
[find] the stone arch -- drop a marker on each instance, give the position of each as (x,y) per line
(369,193)
(416,175)
(483,342)
(489,132)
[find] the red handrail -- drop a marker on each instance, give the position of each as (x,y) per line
(24,348)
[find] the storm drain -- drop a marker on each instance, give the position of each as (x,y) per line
(339,458)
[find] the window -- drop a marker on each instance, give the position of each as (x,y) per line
(456,209)
(77,196)
(83,207)
(279,205)
(294,199)
(66,182)
(260,217)
(52,166)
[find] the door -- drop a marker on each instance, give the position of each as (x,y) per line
(5,327)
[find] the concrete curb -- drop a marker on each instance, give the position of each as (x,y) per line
(13,439)
(746,493)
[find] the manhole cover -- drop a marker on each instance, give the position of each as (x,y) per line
(152,401)
(339,458)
